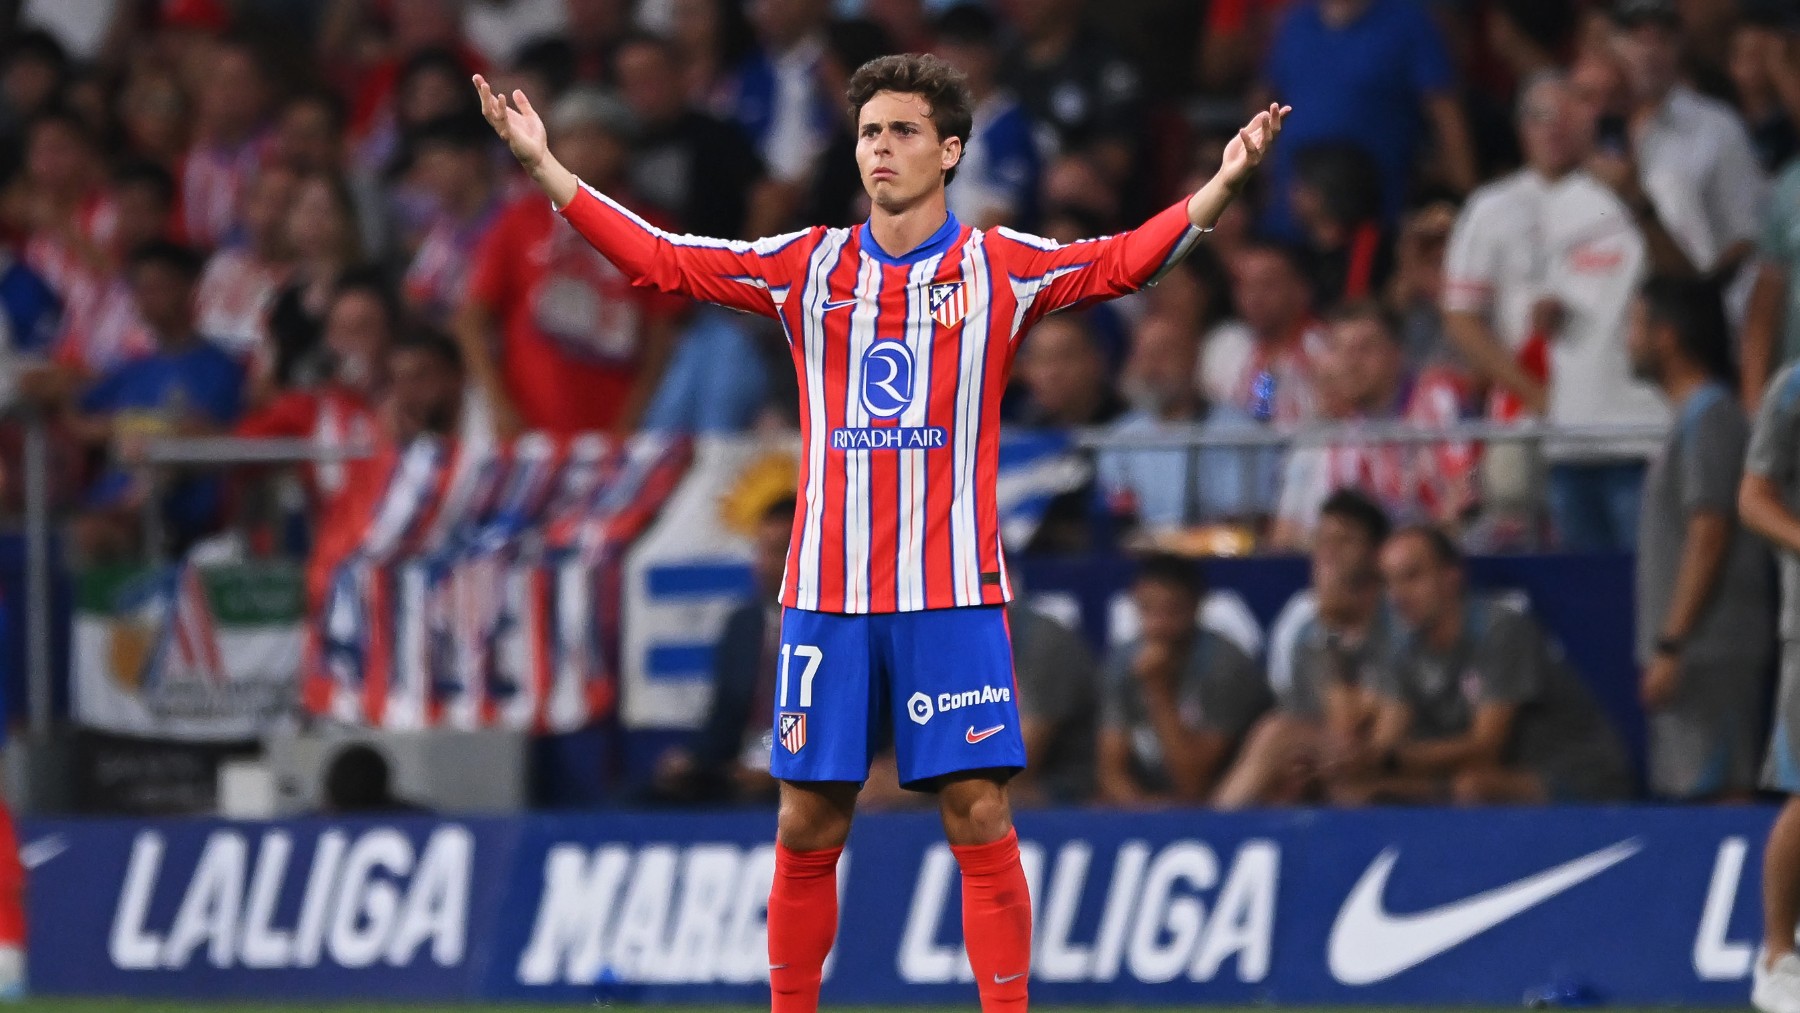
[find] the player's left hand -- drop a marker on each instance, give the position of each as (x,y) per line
(1660,681)
(1246,151)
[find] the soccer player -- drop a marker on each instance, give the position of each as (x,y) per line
(902,331)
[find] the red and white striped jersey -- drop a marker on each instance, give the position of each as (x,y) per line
(901,362)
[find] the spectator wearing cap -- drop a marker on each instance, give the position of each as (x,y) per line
(1764,66)
(1366,71)
(553,336)
(1540,271)
(1697,168)
(230,141)
(186,386)
(695,168)
(453,164)
(997,179)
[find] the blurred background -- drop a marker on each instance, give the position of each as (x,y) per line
(339,476)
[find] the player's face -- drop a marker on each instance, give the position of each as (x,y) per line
(898,150)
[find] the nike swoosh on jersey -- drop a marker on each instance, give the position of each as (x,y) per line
(973,736)
(1370,944)
(836,304)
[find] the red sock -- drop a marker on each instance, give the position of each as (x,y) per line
(802,923)
(996,921)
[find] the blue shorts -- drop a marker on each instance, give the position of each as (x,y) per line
(939,683)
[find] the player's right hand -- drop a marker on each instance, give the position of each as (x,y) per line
(517,123)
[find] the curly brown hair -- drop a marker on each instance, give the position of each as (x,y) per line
(943,87)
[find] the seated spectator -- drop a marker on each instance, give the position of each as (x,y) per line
(34,70)
(1705,631)
(1063,371)
(1323,652)
(556,338)
(1336,199)
(719,376)
(695,168)
(1766,81)
(1165,488)
(1264,363)
(359,781)
(341,412)
(240,281)
(728,757)
(1476,704)
(1363,379)
(426,387)
(997,179)
(1175,702)
(229,141)
(325,242)
(1415,294)
(1057,681)
(777,96)
(309,139)
(188,386)
(452,163)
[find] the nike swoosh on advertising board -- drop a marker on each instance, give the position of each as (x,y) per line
(36,853)
(1370,944)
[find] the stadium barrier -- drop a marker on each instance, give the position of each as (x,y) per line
(1629,904)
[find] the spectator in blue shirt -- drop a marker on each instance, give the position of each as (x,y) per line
(1369,71)
(997,179)
(187,387)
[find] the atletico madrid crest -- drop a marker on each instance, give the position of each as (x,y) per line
(792,729)
(948,303)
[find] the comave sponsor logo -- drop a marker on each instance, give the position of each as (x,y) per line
(362,899)
(656,914)
(920,707)
(1182,911)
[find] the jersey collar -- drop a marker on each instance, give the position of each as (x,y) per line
(938,243)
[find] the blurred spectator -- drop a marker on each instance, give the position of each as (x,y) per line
(1704,605)
(1177,700)
(997,179)
(694,167)
(309,139)
(1085,101)
(1416,292)
(1196,295)
(1166,488)
(34,69)
(1336,200)
(426,387)
(719,375)
(906,22)
(1772,325)
(1063,371)
(338,414)
(359,781)
(836,197)
(1765,76)
(154,114)
(1233,41)
(501,31)
(240,281)
(432,84)
(711,37)
(230,141)
(1057,680)
(1698,170)
(187,386)
(594,30)
(555,337)
(1540,271)
(1366,71)
(1476,705)
(1363,379)
(1323,650)
(452,163)
(1265,363)
(59,204)
(728,757)
(776,93)
(322,237)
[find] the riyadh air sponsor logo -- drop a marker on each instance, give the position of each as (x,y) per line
(1370,944)
(1180,912)
(887,379)
(357,900)
(661,914)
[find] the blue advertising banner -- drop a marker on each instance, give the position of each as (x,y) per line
(1629,904)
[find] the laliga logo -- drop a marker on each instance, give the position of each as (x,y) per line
(887,379)
(918,707)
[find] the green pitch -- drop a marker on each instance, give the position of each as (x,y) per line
(133,1006)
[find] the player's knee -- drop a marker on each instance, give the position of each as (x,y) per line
(975,811)
(812,821)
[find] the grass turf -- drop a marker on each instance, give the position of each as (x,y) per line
(141,1006)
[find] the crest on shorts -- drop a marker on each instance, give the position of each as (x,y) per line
(791,730)
(948,303)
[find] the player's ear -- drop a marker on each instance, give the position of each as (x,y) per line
(952,152)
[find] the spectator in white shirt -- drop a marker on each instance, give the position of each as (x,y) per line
(1548,257)
(1698,168)
(1263,363)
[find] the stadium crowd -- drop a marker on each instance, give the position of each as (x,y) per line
(272,217)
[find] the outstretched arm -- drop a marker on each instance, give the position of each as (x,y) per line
(1245,152)
(730,273)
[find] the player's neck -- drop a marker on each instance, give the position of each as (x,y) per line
(901,231)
